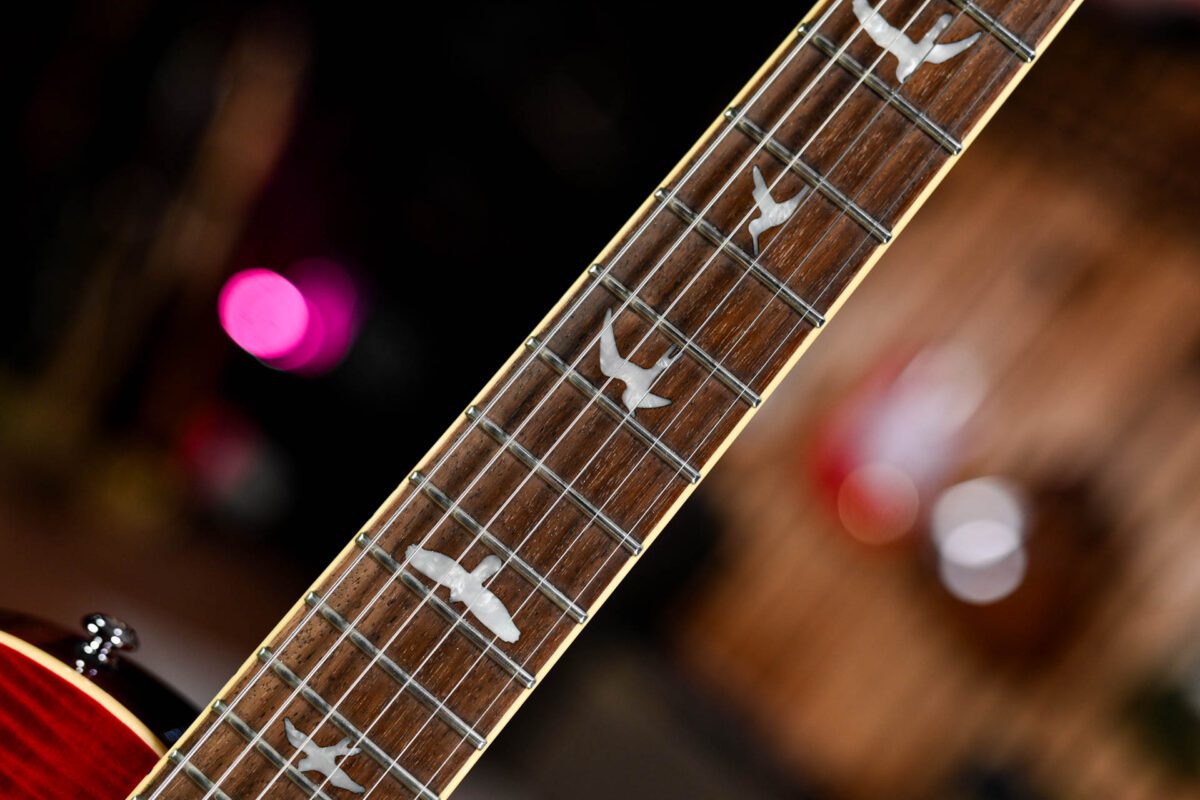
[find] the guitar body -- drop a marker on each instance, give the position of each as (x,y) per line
(64,736)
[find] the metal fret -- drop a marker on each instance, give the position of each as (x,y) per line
(460,622)
(270,753)
(833,194)
(197,777)
(888,94)
(677,336)
(377,754)
(632,545)
(681,466)
(1006,37)
(506,554)
(720,240)
(394,671)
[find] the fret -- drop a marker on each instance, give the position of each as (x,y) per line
(1002,34)
(270,753)
(887,93)
(407,682)
(724,243)
(359,738)
(457,620)
(810,176)
(626,540)
(506,554)
(676,461)
(680,340)
(196,776)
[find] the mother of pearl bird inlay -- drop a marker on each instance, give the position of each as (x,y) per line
(323,759)
(467,588)
(909,54)
(772,214)
(637,380)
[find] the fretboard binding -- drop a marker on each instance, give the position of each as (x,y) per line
(889,95)
(535,464)
(460,623)
(1002,34)
(395,672)
(610,407)
(810,176)
(376,753)
(684,342)
(723,242)
(195,775)
(270,753)
(506,554)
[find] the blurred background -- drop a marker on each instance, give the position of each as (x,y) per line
(957,556)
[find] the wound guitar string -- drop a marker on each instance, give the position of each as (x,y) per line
(401,628)
(756,149)
(990,84)
(467,672)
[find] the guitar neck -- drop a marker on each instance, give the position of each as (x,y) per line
(535,503)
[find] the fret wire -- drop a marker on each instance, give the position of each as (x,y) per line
(608,406)
(880,87)
(395,671)
(503,551)
(377,754)
(809,175)
(269,752)
(678,337)
(645,455)
(559,439)
(833,5)
(989,23)
(519,673)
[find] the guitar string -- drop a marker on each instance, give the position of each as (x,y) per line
(466,430)
(738,228)
(550,630)
(892,91)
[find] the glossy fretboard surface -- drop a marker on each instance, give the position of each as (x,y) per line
(548,473)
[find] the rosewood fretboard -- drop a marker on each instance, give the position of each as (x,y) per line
(549,472)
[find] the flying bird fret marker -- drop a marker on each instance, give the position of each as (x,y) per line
(467,588)
(772,214)
(909,54)
(637,380)
(323,759)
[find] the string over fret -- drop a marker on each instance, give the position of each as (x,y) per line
(377,754)
(676,461)
(535,464)
(725,243)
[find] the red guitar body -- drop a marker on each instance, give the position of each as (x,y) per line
(69,736)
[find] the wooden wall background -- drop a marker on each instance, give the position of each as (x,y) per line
(1064,251)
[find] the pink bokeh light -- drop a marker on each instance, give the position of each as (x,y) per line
(264,313)
(303,322)
(334,316)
